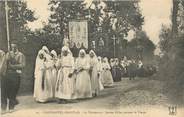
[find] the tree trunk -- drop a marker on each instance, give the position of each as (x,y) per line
(3,39)
(174,18)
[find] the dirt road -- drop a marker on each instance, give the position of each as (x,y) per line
(141,92)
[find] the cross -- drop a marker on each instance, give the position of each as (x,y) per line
(114,40)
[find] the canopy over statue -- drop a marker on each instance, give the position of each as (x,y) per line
(78,33)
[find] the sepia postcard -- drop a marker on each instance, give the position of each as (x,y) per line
(92,58)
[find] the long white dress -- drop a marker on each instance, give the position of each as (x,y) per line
(54,69)
(94,75)
(99,70)
(43,91)
(107,79)
(83,83)
(65,85)
(54,74)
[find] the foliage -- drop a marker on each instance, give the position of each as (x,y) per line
(105,19)
(19,16)
(171,68)
(141,44)
(165,36)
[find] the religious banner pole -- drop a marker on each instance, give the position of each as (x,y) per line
(7,24)
(114,44)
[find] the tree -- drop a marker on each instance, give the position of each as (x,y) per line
(171,66)
(165,36)
(114,18)
(62,13)
(141,47)
(19,16)
(174,17)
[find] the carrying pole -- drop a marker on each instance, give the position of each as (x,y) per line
(7,24)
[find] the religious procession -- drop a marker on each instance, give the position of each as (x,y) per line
(68,78)
(90,54)
(64,78)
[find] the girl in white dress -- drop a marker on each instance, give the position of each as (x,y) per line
(65,82)
(99,66)
(83,83)
(94,75)
(107,79)
(54,69)
(43,91)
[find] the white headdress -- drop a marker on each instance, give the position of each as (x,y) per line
(82,51)
(53,52)
(65,48)
(91,51)
(45,49)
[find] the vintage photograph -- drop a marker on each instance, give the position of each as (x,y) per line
(71,58)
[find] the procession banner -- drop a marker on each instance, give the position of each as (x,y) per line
(78,33)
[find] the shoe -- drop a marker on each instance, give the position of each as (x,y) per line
(11,110)
(94,95)
(62,102)
(72,101)
(16,102)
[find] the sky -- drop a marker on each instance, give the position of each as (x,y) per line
(155,12)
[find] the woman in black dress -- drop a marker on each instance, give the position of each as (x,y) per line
(116,71)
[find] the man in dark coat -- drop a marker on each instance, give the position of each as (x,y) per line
(11,82)
(132,69)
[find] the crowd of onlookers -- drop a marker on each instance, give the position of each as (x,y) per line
(130,68)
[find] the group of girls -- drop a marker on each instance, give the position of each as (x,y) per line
(68,79)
